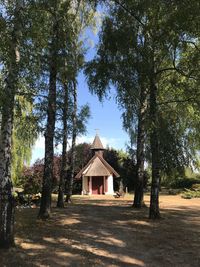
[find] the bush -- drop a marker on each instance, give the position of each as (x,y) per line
(31,178)
(174,191)
(188,194)
(196,187)
(184,182)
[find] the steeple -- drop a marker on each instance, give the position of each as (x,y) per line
(97,146)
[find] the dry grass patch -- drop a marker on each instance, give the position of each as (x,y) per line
(105,231)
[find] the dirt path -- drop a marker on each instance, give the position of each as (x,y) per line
(108,232)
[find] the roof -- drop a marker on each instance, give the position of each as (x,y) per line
(97,166)
(97,143)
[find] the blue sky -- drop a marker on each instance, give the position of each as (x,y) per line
(104,116)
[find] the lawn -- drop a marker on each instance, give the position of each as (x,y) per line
(105,231)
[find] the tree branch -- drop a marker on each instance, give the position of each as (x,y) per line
(30,94)
(175,68)
(166,69)
(129,12)
(192,43)
(190,99)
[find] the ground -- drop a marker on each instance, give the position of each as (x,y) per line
(105,231)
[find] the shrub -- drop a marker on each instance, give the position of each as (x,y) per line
(196,187)
(188,194)
(174,191)
(32,179)
(184,182)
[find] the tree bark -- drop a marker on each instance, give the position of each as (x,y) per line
(138,197)
(6,187)
(45,206)
(154,212)
(121,187)
(6,198)
(74,134)
(63,173)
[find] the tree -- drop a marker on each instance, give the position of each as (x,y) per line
(74,135)
(24,135)
(58,18)
(83,155)
(11,61)
(73,63)
(31,177)
(146,44)
(64,165)
(123,164)
(58,11)
(111,66)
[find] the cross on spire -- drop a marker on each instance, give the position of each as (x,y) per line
(97,131)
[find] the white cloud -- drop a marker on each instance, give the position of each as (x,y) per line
(39,147)
(111,142)
(84,139)
(39,143)
(58,149)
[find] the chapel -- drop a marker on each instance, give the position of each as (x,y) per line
(97,176)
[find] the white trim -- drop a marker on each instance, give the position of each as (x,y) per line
(90,185)
(110,190)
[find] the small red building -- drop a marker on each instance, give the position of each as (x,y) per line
(97,176)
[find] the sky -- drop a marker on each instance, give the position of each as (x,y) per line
(106,116)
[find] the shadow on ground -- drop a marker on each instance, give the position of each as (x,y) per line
(106,233)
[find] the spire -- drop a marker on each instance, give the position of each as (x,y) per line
(97,145)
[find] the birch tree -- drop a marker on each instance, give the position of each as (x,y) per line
(137,43)
(10,58)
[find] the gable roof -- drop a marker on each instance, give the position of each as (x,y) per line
(97,166)
(97,143)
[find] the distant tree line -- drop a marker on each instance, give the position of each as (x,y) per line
(31,177)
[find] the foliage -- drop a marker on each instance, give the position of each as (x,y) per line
(119,160)
(143,48)
(176,181)
(83,155)
(192,193)
(184,182)
(24,135)
(122,42)
(31,177)
(124,165)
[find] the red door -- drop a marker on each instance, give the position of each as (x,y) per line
(97,185)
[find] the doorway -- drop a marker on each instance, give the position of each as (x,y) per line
(97,185)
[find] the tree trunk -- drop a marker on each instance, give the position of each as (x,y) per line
(121,187)
(6,198)
(63,173)
(154,212)
(0,121)
(74,133)
(138,197)
(45,206)
(6,187)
